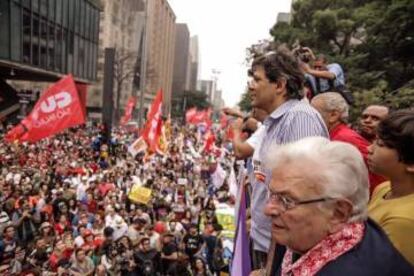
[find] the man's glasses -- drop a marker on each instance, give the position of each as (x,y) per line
(288,203)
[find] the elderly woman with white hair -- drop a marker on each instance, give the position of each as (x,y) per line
(317,202)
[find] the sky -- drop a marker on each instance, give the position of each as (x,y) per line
(225,28)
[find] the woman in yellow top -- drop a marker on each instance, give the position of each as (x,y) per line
(392,203)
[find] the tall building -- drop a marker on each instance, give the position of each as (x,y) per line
(121,27)
(283,17)
(40,41)
(195,62)
(160,52)
(208,87)
(182,60)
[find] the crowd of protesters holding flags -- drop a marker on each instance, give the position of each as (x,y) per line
(67,206)
(322,197)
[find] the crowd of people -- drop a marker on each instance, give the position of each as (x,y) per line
(65,207)
(324,197)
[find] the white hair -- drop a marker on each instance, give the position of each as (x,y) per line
(343,172)
(333,101)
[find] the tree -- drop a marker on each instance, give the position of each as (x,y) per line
(124,70)
(188,99)
(371,39)
(245,102)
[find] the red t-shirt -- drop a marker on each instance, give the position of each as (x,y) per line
(345,134)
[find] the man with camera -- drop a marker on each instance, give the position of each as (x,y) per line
(321,76)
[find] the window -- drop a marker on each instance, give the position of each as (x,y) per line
(71,15)
(70,52)
(35,6)
(51,48)
(77,15)
(26,37)
(64,49)
(65,13)
(81,59)
(58,11)
(43,7)
(81,18)
(16,30)
(58,50)
(76,55)
(52,6)
(4,29)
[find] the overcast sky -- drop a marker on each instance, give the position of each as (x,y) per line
(225,29)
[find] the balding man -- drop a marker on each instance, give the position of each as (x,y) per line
(370,119)
(335,111)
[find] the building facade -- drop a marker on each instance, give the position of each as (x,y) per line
(121,27)
(182,60)
(41,40)
(194,63)
(160,52)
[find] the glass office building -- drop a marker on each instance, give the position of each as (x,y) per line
(55,35)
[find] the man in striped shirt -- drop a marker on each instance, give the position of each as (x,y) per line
(276,87)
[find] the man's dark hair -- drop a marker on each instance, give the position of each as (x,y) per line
(397,132)
(108,231)
(282,64)
(7,228)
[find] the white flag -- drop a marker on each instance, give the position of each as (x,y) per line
(138,146)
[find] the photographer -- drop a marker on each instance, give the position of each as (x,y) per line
(323,77)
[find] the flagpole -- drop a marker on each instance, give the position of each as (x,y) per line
(143,73)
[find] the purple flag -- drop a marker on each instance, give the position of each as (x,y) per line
(241,256)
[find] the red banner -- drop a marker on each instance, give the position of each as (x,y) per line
(190,114)
(58,108)
(210,141)
(198,117)
(128,110)
(153,126)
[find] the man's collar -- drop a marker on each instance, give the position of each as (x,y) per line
(281,110)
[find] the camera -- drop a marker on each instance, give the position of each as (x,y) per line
(303,54)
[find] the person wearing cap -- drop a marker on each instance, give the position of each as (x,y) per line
(120,229)
(46,232)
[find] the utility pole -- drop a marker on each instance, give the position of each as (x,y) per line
(108,90)
(143,73)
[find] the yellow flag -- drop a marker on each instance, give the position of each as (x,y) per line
(140,194)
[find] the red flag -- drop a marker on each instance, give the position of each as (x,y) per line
(128,110)
(153,126)
(190,114)
(58,108)
(210,140)
(202,116)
